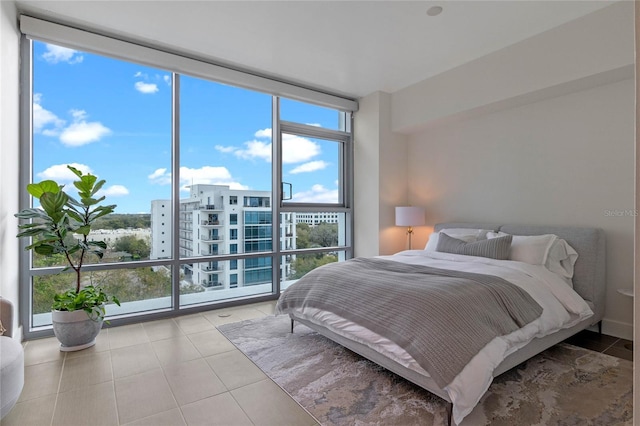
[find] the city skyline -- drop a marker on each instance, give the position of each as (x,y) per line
(113,118)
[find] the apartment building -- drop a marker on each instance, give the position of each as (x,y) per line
(218,220)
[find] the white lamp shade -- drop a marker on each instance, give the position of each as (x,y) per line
(409,216)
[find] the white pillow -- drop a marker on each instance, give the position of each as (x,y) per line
(559,257)
(561,260)
(465,234)
(533,249)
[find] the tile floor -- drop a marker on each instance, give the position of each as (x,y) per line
(179,371)
(609,345)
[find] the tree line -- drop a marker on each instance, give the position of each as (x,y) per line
(123,221)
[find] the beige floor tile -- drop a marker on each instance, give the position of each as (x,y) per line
(95,405)
(217,410)
(192,381)
(162,329)
(166,418)
(235,369)
(42,350)
(224,316)
(102,345)
(143,395)
(193,324)
(41,379)
(211,342)
(35,412)
(127,335)
(85,371)
(132,360)
(266,404)
(268,308)
(174,350)
(250,313)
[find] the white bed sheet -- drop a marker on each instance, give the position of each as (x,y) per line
(562,308)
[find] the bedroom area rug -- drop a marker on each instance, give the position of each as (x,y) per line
(565,385)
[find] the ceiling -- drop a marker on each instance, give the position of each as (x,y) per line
(352,48)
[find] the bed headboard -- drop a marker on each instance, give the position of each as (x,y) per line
(589,277)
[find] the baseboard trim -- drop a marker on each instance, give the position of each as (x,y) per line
(618,329)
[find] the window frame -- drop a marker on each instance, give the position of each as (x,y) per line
(82,40)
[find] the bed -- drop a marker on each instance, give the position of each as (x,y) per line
(584,305)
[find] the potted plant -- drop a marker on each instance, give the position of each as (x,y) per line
(78,313)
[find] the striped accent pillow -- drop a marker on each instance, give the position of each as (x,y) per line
(495,248)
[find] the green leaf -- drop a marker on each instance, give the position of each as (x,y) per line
(88,201)
(102,211)
(45,249)
(75,171)
(33,214)
(52,203)
(97,187)
(84,230)
(100,244)
(37,189)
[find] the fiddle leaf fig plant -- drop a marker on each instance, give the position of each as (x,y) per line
(61,216)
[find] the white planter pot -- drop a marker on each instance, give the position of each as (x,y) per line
(75,330)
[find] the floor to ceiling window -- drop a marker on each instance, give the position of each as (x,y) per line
(222,192)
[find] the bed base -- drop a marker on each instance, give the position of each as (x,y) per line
(536,346)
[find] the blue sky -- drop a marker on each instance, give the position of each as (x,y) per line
(113,119)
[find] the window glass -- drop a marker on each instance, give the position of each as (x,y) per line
(207,282)
(313,115)
(225,154)
(138,289)
(312,230)
(115,119)
(295,266)
(91,112)
(310,170)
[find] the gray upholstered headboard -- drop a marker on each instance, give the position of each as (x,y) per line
(589,278)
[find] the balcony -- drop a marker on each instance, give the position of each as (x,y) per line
(211,238)
(212,270)
(212,285)
(207,207)
(209,253)
(211,223)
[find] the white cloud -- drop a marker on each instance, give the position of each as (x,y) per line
(158,174)
(146,88)
(139,74)
(167,79)
(317,194)
(254,149)
(82,132)
(114,191)
(55,54)
(264,133)
(61,174)
(206,175)
(44,121)
(295,149)
(310,167)
(226,149)
(314,124)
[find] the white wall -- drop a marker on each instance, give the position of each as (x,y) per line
(9,84)
(380,178)
(540,132)
(563,161)
(595,49)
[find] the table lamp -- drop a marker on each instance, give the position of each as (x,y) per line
(409,216)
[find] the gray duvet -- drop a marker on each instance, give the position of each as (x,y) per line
(442,318)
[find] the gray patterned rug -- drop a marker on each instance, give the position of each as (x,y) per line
(564,385)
